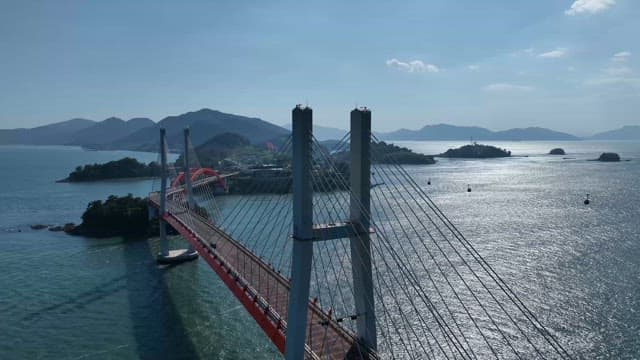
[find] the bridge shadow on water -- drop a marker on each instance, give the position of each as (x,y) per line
(80,301)
(159,330)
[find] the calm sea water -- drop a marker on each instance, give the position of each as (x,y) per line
(73,298)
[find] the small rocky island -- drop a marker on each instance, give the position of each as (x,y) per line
(557,151)
(609,157)
(125,168)
(476,151)
(125,216)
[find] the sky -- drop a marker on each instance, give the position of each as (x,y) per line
(569,65)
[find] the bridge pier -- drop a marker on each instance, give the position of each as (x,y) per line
(167,256)
(356,229)
(302,233)
(187,179)
(360,217)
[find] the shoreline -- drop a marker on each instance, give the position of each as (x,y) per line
(137,178)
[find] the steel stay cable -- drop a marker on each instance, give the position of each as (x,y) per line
(345,272)
(244,263)
(353,228)
(425,299)
(209,196)
(244,202)
(492,273)
(541,329)
(402,267)
(323,199)
(400,193)
(239,206)
(485,287)
(477,299)
(376,289)
(403,289)
(385,310)
(429,274)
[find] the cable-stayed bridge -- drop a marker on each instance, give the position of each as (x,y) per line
(353,261)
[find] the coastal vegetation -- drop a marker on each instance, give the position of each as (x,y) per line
(557,151)
(387,153)
(125,216)
(232,151)
(476,151)
(118,169)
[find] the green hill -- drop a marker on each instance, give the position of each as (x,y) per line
(204,124)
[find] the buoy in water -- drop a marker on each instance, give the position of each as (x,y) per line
(587,201)
(429,181)
(468,188)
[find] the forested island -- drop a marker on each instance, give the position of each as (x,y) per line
(386,153)
(253,168)
(125,216)
(119,169)
(476,151)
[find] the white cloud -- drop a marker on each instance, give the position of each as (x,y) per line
(473,67)
(523,52)
(615,80)
(616,74)
(554,54)
(415,66)
(618,71)
(505,87)
(589,6)
(571,68)
(621,56)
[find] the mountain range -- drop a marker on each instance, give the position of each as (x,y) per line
(629,132)
(108,131)
(204,124)
(323,133)
(450,132)
(52,134)
(142,133)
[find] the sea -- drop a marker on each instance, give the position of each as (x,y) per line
(65,297)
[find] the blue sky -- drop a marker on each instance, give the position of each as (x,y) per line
(564,64)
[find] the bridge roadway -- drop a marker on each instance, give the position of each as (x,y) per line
(261,290)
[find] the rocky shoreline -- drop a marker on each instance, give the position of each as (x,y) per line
(68,227)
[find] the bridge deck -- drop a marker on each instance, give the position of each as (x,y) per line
(263,291)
